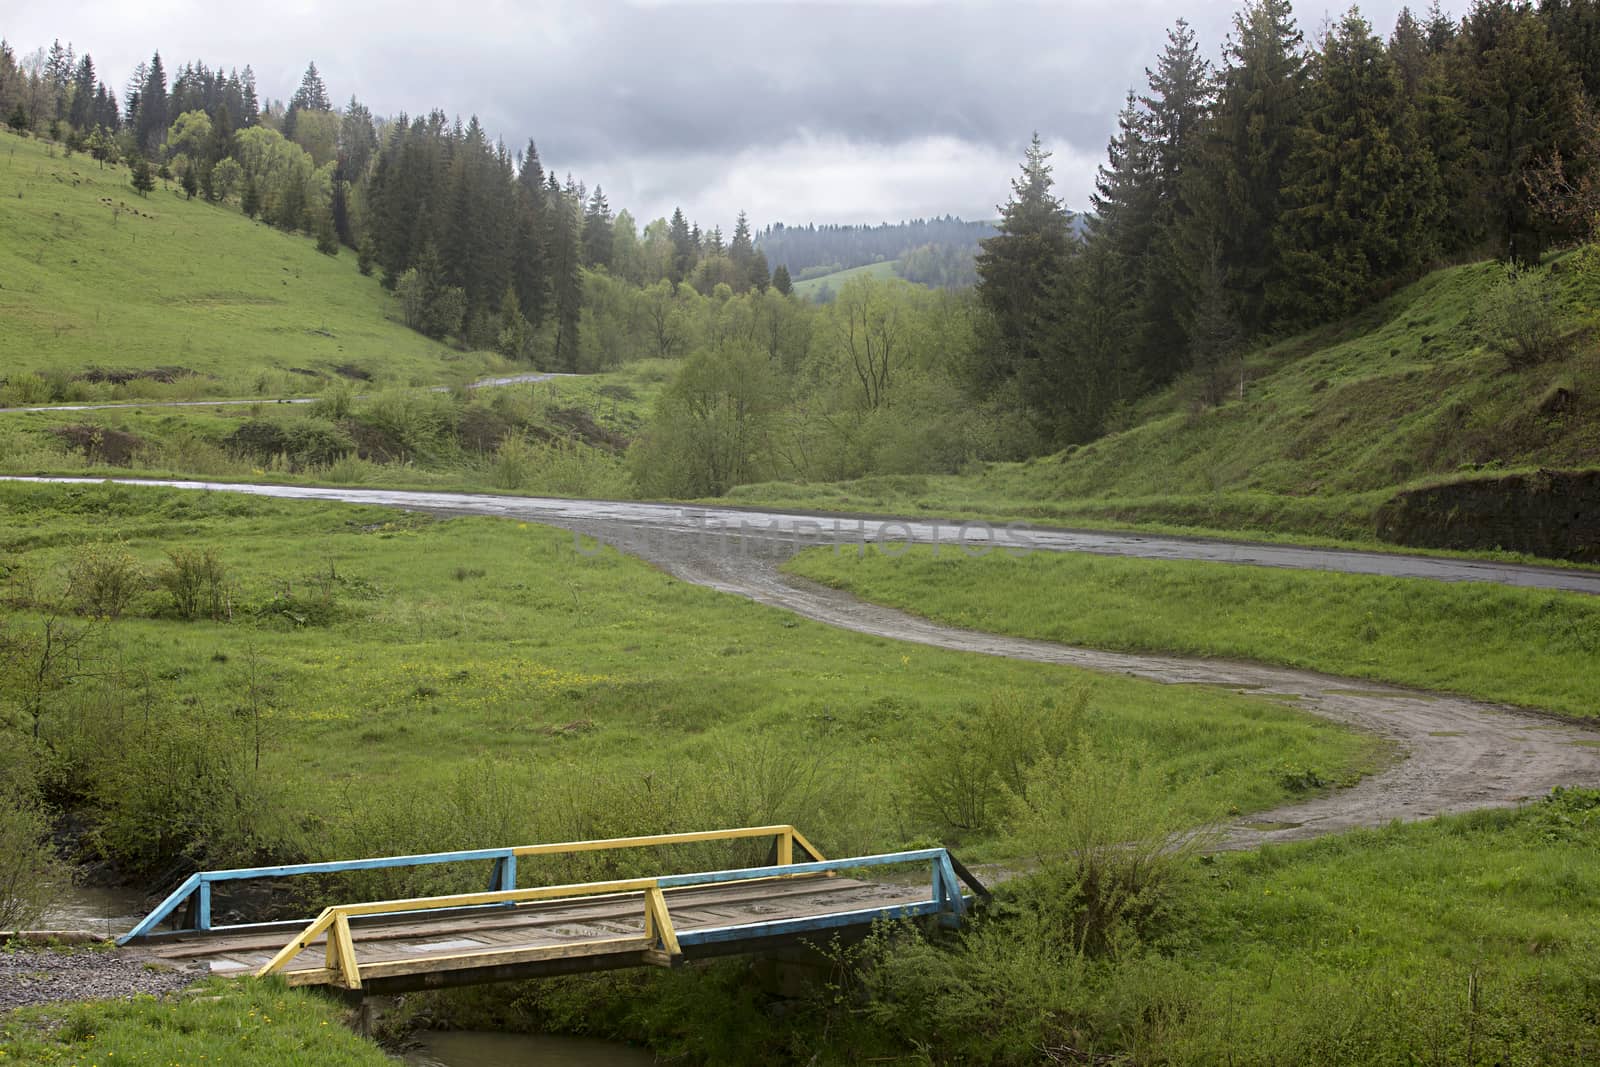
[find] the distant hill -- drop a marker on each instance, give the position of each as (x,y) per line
(811,251)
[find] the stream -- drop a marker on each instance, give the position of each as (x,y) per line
(473,1048)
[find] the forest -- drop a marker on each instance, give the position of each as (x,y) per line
(1288,183)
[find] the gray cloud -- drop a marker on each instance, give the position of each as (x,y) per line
(855,112)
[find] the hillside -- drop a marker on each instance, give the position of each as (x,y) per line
(94,276)
(1332,424)
(818,288)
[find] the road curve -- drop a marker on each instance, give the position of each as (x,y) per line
(484,383)
(1456,754)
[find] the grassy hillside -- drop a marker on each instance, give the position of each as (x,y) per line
(1332,422)
(812,286)
(94,276)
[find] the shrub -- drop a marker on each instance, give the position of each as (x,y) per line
(29,868)
(968,772)
(301,443)
(1112,853)
(103,579)
(197,580)
(1518,318)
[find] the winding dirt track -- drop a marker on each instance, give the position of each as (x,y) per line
(1457,754)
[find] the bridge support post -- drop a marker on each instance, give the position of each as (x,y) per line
(503,876)
(202,919)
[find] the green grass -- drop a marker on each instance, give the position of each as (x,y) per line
(167,282)
(616,698)
(220,1022)
(1521,646)
(597,413)
(809,288)
(1465,940)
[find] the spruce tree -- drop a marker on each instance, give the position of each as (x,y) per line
(312,94)
(1522,100)
(1361,197)
(1020,268)
(1123,228)
(151,131)
(598,237)
(781,280)
(82,111)
(683,256)
(1178,103)
(1234,190)
(566,275)
(144,180)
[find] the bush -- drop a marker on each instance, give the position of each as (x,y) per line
(103,579)
(970,771)
(1519,320)
(301,443)
(29,869)
(197,581)
(1112,853)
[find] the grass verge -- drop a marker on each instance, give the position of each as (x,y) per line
(1520,646)
(220,1022)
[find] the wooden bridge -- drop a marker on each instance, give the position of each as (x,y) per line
(509,933)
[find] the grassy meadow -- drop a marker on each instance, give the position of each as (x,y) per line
(493,685)
(1519,646)
(811,287)
(143,283)
(563,437)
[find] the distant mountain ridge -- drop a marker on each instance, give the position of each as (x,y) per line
(813,250)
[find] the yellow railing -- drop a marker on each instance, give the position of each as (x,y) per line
(660,938)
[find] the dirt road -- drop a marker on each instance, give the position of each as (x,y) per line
(1456,754)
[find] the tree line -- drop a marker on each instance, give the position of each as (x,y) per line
(811,251)
(1286,186)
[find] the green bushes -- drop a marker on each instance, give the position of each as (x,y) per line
(29,869)
(103,580)
(197,582)
(300,443)
(558,468)
(1519,319)
(970,771)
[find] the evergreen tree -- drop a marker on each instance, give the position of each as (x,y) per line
(312,94)
(250,199)
(144,181)
(1178,104)
(757,276)
(683,253)
(566,275)
(1123,228)
(1575,28)
(1020,268)
(1361,198)
(598,239)
(781,280)
(1522,103)
(151,129)
(82,111)
(1234,191)
(529,265)
(190,182)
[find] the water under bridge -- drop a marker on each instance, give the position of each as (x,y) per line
(795,896)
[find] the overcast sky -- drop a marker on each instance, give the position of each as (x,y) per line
(795,112)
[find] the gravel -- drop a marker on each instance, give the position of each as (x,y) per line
(31,976)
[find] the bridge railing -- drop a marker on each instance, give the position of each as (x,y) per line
(194,894)
(662,943)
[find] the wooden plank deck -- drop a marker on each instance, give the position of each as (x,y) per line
(498,942)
